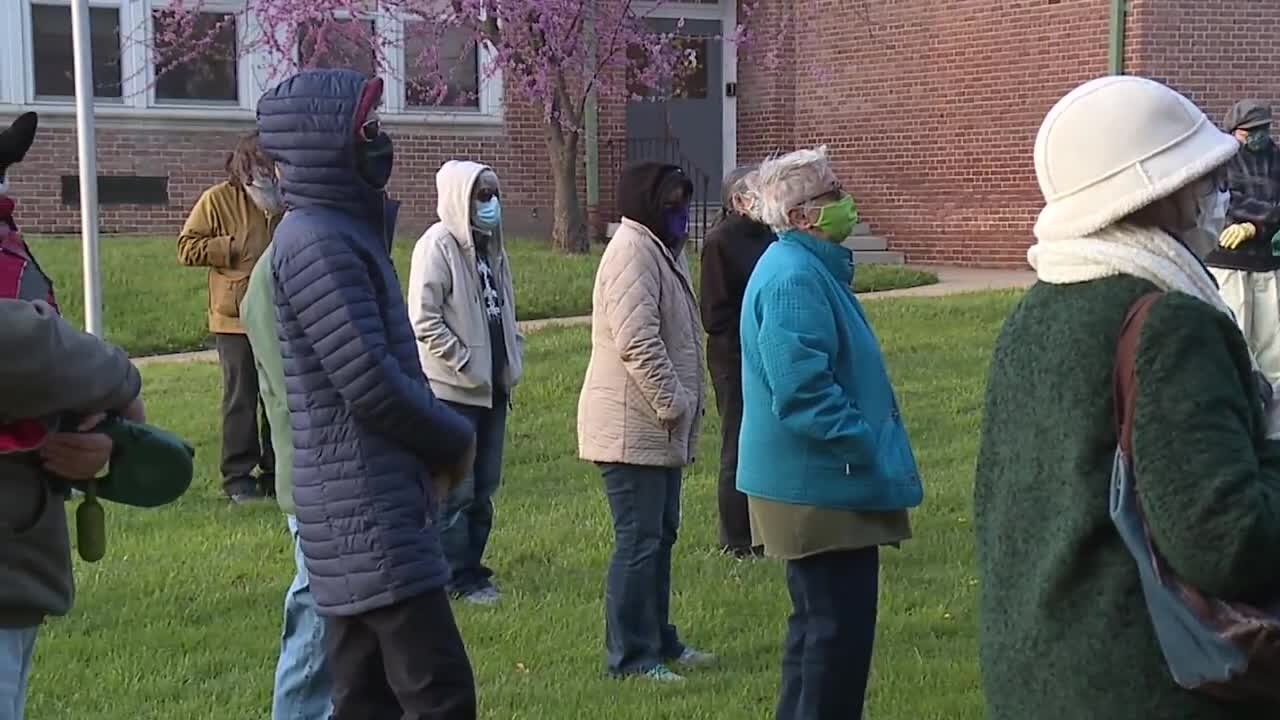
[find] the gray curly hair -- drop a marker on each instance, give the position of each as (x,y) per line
(741,182)
(787,181)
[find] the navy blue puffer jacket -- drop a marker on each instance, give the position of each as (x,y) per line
(366,428)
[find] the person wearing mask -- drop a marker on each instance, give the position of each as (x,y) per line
(1063,625)
(303,686)
(825,458)
(1247,262)
(462,305)
(730,253)
(66,380)
(373,449)
(228,230)
(640,411)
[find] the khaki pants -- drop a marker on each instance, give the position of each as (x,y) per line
(1254,297)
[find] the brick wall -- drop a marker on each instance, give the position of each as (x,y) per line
(766,104)
(931,109)
(1214,52)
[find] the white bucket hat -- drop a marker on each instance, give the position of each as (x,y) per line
(1115,145)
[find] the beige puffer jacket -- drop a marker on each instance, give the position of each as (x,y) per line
(642,399)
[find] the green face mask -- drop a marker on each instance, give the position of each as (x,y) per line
(836,219)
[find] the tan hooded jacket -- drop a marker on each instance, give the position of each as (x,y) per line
(642,399)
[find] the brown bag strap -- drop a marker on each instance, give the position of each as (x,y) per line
(1124,377)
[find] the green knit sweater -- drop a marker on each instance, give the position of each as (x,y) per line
(1063,631)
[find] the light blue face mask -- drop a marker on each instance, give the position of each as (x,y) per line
(488,214)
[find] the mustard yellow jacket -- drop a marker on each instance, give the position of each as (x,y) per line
(227,233)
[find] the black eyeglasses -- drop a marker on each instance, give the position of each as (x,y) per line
(836,189)
(485,194)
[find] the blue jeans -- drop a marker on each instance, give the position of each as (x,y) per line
(468,513)
(304,687)
(830,634)
(16,648)
(645,503)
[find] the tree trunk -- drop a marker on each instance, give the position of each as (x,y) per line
(569,231)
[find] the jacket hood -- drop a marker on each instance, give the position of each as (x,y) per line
(455,182)
(308,125)
(640,191)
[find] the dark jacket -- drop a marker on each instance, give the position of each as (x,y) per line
(366,428)
(51,370)
(642,189)
(732,249)
(1063,627)
(1254,179)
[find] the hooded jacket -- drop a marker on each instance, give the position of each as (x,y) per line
(54,371)
(641,191)
(366,428)
(445,302)
(642,399)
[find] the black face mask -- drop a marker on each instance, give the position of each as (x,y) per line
(375,159)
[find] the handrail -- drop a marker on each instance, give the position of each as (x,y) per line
(667,149)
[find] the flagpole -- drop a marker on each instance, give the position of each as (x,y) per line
(86,148)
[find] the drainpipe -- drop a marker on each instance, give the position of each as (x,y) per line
(591,120)
(1119,14)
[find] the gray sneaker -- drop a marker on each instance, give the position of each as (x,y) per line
(694,658)
(485,596)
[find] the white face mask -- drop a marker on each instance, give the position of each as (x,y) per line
(4,186)
(1211,218)
(265,193)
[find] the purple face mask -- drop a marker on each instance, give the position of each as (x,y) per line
(677,221)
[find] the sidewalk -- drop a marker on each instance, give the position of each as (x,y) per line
(958,280)
(951,281)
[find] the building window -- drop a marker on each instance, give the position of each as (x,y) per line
(456,70)
(338,44)
(196,58)
(53,57)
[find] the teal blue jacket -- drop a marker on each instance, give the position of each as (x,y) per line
(820,423)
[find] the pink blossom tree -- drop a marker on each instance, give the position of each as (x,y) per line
(559,55)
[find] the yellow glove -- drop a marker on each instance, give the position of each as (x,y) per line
(1236,235)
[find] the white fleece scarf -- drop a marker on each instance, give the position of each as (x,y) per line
(1150,254)
(1122,249)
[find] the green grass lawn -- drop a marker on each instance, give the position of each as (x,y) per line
(182,618)
(153,305)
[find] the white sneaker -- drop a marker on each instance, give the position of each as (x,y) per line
(693,658)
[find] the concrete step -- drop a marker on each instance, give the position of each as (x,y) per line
(860,229)
(866,242)
(878,257)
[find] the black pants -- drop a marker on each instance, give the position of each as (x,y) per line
(246,440)
(726,378)
(827,657)
(405,661)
